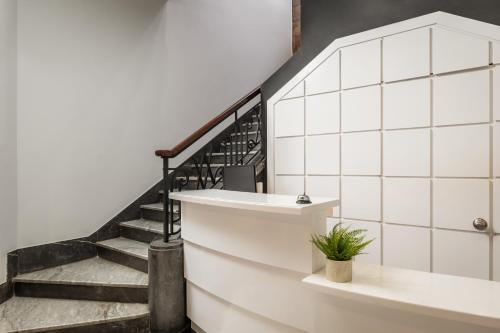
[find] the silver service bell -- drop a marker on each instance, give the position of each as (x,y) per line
(303,199)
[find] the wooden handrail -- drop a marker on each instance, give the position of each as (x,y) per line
(187,142)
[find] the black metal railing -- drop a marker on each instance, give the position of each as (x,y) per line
(241,143)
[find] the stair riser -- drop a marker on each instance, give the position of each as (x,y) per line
(240,146)
(152,214)
(138,325)
(155,215)
(219,159)
(123,259)
(139,235)
(82,292)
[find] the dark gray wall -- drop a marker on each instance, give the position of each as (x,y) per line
(326,20)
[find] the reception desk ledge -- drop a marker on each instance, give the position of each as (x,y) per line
(442,296)
(258,202)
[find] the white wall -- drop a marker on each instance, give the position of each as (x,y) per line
(102,84)
(217,51)
(410,142)
(8,196)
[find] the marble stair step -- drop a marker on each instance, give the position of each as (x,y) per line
(145,225)
(143,230)
(154,211)
(91,279)
(125,251)
(154,206)
(25,314)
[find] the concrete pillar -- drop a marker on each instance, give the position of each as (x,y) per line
(167,296)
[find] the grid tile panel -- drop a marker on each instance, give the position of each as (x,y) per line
(405,130)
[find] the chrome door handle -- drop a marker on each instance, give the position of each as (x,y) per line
(480,224)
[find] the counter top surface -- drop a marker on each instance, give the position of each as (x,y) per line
(273,203)
(451,297)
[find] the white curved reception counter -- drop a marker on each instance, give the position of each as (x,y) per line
(250,267)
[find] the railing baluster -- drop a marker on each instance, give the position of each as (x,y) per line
(166,231)
(236,134)
(231,150)
(225,154)
(248,139)
(241,141)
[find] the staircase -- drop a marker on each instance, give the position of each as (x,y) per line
(109,292)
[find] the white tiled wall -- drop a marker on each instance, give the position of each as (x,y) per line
(406,55)
(496,52)
(496,205)
(324,186)
(496,152)
(407,247)
(454,51)
(289,117)
(496,93)
(496,258)
(407,152)
(462,98)
(297,91)
(289,156)
(406,131)
(407,201)
(457,202)
(361,198)
(326,77)
(462,151)
(461,253)
(319,163)
(361,109)
(407,104)
(361,153)
(323,113)
(353,74)
(289,184)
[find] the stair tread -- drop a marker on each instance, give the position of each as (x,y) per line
(252,152)
(147,225)
(213,165)
(159,206)
(127,246)
(244,133)
(154,206)
(93,271)
(26,314)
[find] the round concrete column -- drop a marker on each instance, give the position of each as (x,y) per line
(167,302)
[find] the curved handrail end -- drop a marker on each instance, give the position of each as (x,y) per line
(164,153)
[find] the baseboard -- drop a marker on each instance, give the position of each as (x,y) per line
(101,293)
(39,257)
(6,291)
(196,329)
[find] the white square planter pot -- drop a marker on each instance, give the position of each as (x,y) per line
(339,271)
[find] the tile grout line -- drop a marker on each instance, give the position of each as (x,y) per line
(381,156)
(341,179)
(492,159)
(431,159)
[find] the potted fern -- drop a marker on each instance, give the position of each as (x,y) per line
(339,247)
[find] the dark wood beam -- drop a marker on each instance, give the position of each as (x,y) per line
(296,4)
